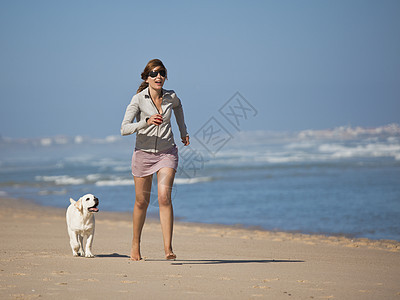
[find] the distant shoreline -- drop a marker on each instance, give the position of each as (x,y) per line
(342,132)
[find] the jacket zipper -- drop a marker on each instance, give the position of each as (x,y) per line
(158,127)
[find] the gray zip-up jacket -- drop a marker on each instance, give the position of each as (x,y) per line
(153,138)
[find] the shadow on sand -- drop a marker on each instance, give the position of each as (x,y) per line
(112,255)
(227,261)
(207,261)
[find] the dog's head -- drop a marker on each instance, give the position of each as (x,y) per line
(87,203)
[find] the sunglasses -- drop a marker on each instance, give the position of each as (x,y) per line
(153,74)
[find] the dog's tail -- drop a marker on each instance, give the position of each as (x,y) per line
(72,201)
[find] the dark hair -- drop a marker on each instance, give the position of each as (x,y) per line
(150,67)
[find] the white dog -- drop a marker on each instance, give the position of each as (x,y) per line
(80,223)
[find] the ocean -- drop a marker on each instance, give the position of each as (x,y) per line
(341,181)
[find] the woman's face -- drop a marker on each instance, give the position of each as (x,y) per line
(156,78)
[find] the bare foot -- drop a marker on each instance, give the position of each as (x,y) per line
(135,253)
(170,256)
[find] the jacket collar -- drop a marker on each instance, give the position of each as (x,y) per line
(146,93)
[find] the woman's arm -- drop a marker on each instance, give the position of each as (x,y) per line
(132,111)
(180,119)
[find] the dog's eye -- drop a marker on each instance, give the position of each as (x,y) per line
(87,199)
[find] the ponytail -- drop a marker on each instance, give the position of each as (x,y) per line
(143,85)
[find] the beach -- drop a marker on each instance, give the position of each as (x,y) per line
(213,261)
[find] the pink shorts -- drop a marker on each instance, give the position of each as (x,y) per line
(147,163)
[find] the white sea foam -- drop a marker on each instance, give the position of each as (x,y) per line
(124,181)
(369,150)
(122,168)
(192,180)
(82,159)
(347,132)
(61,180)
(283,159)
(115,182)
(93,177)
(108,162)
(300,145)
(311,150)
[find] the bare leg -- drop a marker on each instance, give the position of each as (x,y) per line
(165,178)
(142,200)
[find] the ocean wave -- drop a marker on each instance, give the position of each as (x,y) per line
(192,180)
(309,151)
(115,182)
(300,145)
(348,132)
(61,180)
(275,159)
(369,150)
(96,179)
(93,177)
(93,161)
(108,162)
(124,168)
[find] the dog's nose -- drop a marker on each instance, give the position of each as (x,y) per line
(96,200)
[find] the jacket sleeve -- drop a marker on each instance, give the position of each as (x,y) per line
(128,126)
(180,119)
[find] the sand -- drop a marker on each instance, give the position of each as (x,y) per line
(214,262)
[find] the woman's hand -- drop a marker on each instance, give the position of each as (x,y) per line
(156,119)
(185,141)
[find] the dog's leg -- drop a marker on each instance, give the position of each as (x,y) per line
(74,242)
(80,240)
(89,242)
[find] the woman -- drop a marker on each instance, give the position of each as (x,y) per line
(155,150)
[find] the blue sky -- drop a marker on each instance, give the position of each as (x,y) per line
(71,67)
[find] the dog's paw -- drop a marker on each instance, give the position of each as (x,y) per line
(89,255)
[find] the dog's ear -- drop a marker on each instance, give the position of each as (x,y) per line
(72,201)
(78,204)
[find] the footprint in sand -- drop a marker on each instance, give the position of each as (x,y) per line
(261,287)
(270,280)
(129,281)
(174,276)
(24,296)
(9,286)
(225,278)
(88,279)
(303,281)
(60,273)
